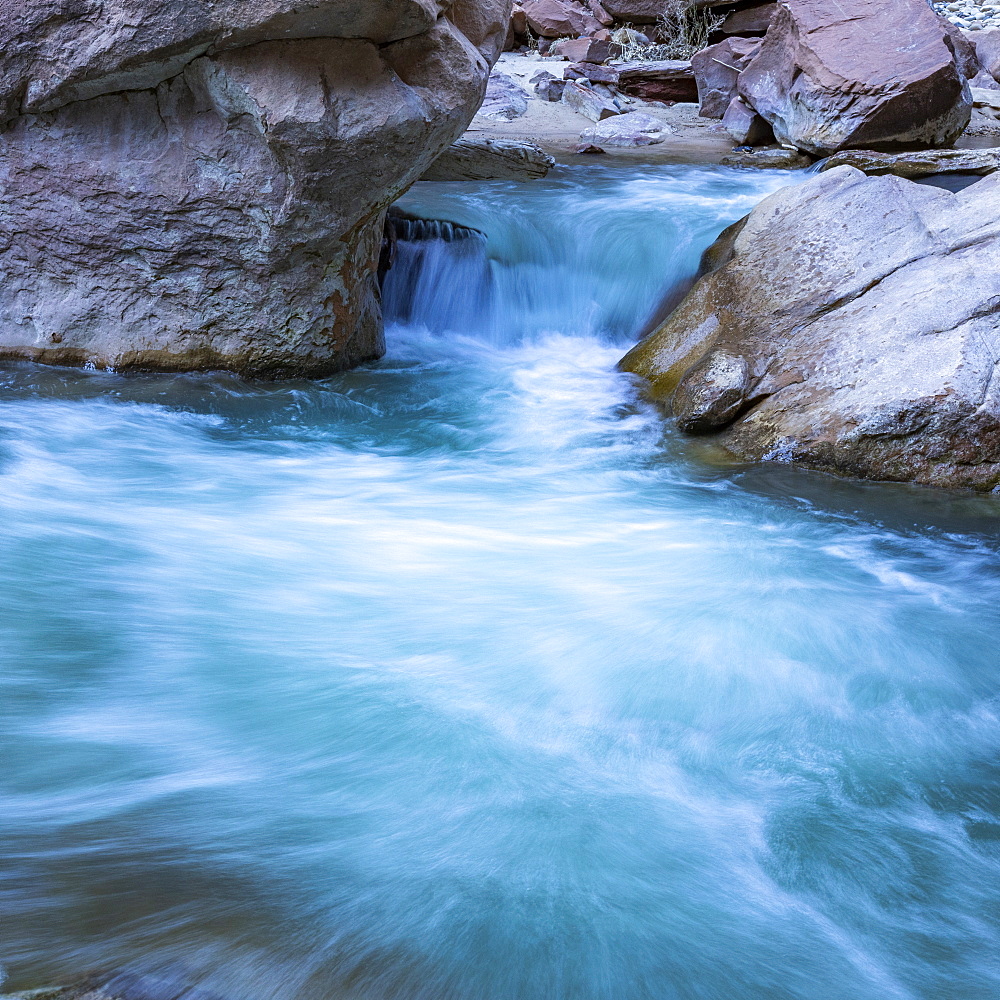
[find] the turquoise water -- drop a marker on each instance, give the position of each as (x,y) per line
(459,678)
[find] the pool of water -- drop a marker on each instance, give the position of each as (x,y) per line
(461,677)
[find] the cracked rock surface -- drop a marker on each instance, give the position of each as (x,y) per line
(850,324)
(202,184)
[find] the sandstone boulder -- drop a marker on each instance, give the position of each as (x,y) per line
(753,20)
(629,130)
(745,126)
(717,71)
(594,103)
(582,50)
(203,184)
(505,98)
(854,73)
(987,44)
(851,324)
(635,11)
(560,18)
(484,159)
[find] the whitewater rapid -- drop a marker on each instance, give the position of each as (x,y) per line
(464,676)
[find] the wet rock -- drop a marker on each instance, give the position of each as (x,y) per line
(560,18)
(204,185)
(924,163)
(717,70)
(768,159)
(629,130)
(589,149)
(476,159)
(591,102)
(814,338)
(712,392)
(126,985)
(665,81)
(857,74)
(746,126)
(749,20)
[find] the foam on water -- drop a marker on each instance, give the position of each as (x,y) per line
(457,676)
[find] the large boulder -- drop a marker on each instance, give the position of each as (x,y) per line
(754,20)
(851,324)
(203,184)
(560,18)
(856,73)
(717,71)
(636,11)
(485,159)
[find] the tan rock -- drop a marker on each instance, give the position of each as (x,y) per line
(229,215)
(746,127)
(850,324)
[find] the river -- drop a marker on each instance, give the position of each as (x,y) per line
(463,677)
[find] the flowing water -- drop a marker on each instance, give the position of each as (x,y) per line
(459,678)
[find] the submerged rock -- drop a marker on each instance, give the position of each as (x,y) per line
(203,185)
(857,74)
(850,324)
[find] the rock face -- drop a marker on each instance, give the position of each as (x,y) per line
(858,74)
(850,324)
(202,184)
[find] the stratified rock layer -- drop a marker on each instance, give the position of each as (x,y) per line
(203,184)
(858,74)
(851,324)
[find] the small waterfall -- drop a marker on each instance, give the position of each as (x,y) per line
(440,276)
(582,254)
